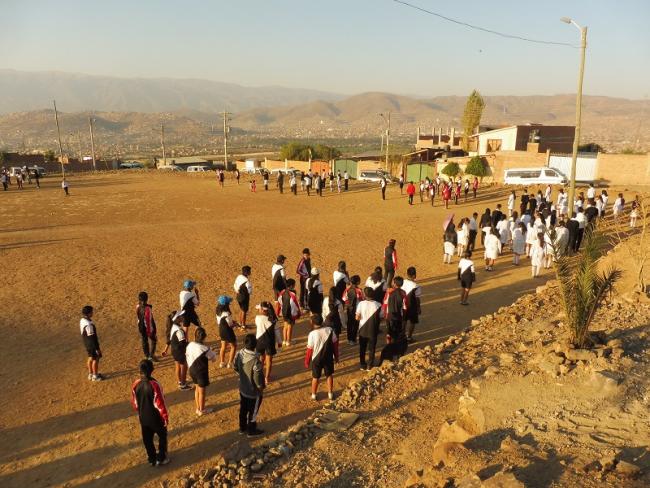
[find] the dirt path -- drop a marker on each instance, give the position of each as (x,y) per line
(119,234)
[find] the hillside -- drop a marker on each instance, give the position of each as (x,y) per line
(26,91)
(615,123)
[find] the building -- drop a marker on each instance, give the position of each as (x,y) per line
(531,138)
(437,140)
(184,161)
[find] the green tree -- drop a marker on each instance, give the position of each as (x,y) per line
(49,156)
(471,116)
(298,151)
(582,287)
(321,151)
(451,170)
(477,167)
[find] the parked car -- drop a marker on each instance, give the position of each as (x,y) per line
(198,168)
(41,171)
(374,176)
(131,165)
(171,167)
(534,176)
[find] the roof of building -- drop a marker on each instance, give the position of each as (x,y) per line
(186,160)
(510,127)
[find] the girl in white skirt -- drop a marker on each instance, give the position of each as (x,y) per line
(511,203)
(619,205)
(492,249)
(518,242)
(503,228)
(450,240)
(549,254)
(462,236)
(634,214)
(531,235)
(537,255)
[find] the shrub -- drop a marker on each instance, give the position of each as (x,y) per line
(582,287)
(477,167)
(451,170)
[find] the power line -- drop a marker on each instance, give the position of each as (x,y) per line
(483,29)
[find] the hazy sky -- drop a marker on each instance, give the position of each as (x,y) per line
(345,46)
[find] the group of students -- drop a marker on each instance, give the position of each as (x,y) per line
(447,189)
(310,181)
(360,311)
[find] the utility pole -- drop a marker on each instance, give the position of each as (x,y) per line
(58,132)
(387,139)
(226,130)
(162,142)
(576,139)
(81,154)
(92,143)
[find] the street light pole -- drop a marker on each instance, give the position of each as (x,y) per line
(387,119)
(576,139)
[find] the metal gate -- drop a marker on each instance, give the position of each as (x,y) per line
(586,165)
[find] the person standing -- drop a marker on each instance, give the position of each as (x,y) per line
(591,191)
(450,241)
(267,335)
(346,179)
(281,182)
(466,276)
(307,180)
(523,206)
(475,186)
(19,180)
(518,242)
(390,261)
(177,341)
(5,180)
(314,292)
(537,255)
(317,185)
(446,194)
(244,290)
(377,284)
(547,193)
(289,311)
(401,184)
(351,298)
(293,184)
(226,326)
(189,300)
(473,231)
(413,294)
(265,179)
(37,178)
(303,270)
(197,356)
(251,386)
(278,276)
(148,400)
(338,181)
(369,314)
(466,189)
(410,191)
(222,178)
(492,249)
(64,185)
(322,352)
(237,175)
(331,178)
(146,326)
(91,343)
(395,306)
(582,223)
(511,202)
(382,182)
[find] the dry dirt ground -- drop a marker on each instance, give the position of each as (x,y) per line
(118,234)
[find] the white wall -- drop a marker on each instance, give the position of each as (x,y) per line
(507,135)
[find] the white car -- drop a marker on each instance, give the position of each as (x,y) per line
(374,176)
(199,168)
(534,176)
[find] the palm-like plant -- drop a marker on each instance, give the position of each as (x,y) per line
(582,287)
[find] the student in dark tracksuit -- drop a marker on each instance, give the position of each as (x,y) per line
(352,296)
(523,206)
(390,262)
(304,271)
(148,400)
(315,292)
(395,308)
(146,326)
(369,314)
(413,293)
(251,385)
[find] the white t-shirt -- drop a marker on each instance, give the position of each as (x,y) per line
(464,264)
(275,269)
(338,276)
(194,351)
(239,281)
(591,192)
(88,326)
(366,309)
(317,339)
(409,285)
(186,296)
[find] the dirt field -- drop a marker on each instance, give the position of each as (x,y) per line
(121,233)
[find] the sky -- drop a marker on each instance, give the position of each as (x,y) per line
(342,46)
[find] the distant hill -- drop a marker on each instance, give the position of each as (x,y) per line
(25,91)
(615,123)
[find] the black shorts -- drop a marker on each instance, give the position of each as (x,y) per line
(264,347)
(244,304)
(226,334)
(200,376)
(190,317)
(92,352)
(395,328)
(320,366)
(179,356)
(466,284)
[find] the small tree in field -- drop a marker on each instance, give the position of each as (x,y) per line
(582,287)
(451,170)
(476,167)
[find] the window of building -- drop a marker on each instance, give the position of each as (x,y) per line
(494,145)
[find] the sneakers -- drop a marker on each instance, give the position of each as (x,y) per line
(90,376)
(164,461)
(255,432)
(97,377)
(222,365)
(242,432)
(363,367)
(330,395)
(184,386)
(229,365)
(150,358)
(313,396)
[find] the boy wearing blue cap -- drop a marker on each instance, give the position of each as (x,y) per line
(189,300)
(226,331)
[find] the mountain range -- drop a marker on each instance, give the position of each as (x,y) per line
(128,113)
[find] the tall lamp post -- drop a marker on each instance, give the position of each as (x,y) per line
(576,140)
(386,117)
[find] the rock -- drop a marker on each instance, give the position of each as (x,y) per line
(503,480)
(608,462)
(491,371)
(550,368)
(541,289)
(247,461)
(564,369)
(475,383)
(554,358)
(510,445)
(184,483)
(579,355)
(471,419)
(207,474)
(614,343)
(257,467)
(469,481)
(452,432)
(617,353)
(605,382)
(475,322)
(506,358)
(628,470)
(237,451)
(447,453)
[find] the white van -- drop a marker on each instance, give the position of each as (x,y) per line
(197,169)
(534,176)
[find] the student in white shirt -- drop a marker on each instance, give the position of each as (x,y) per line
(198,355)
(244,290)
(322,352)
(492,249)
(511,203)
(466,276)
(591,191)
(369,314)
(413,310)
